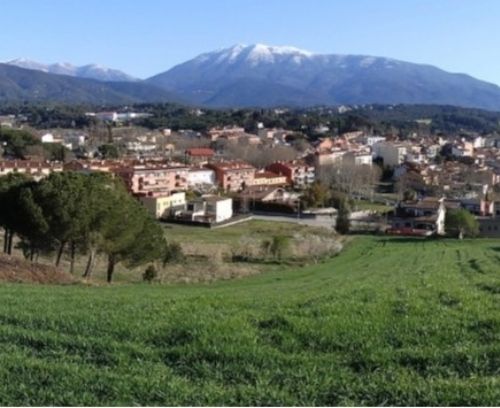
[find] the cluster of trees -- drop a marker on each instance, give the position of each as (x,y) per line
(351,179)
(19,144)
(400,120)
(50,115)
(320,194)
(78,214)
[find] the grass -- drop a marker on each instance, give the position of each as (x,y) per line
(390,321)
(231,234)
(196,241)
(362,205)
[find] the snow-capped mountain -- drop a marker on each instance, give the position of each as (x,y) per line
(91,71)
(263,75)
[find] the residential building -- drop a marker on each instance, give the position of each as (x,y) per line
(358,158)
(162,206)
(209,209)
(420,217)
(298,173)
(200,177)
(150,180)
(392,154)
(233,175)
(36,169)
(268,178)
(199,155)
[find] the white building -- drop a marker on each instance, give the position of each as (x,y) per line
(107,116)
(47,138)
(210,209)
(161,206)
(392,154)
(200,177)
(358,158)
(371,140)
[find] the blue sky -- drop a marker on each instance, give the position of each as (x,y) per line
(146,37)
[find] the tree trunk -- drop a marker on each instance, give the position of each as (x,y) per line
(72,257)
(90,263)
(32,253)
(60,252)
(5,239)
(9,246)
(111,268)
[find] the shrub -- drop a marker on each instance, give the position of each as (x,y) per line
(173,253)
(279,246)
(150,274)
(343,223)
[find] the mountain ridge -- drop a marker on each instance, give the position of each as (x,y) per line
(90,71)
(313,79)
(20,84)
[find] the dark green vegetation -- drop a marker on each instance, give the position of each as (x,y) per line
(80,214)
(19,144)
(462,223)
(387,322)
(380,119)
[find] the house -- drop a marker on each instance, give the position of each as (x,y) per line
(162,206)
(270,194)
(327,158)
(199,155)
(268,178)
(227,132)
(154,179)
(209,209)
(489,226)
(477,206)
(419,217)
(233,175)
(298,173)
(36,169)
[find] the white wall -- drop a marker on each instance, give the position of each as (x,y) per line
(198,177)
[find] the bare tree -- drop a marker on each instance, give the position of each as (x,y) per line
(350,178)
(259,156)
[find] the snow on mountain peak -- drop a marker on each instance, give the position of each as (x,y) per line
(92,71)
(257,53)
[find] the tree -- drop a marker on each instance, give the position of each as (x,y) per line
(63,200)
(9,191)
(462,223)
(279,246)
(343,223)
(138,240)
(109,151)
(30,223)
(316,195)
(15,142)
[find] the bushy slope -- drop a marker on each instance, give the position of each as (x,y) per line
(388,322)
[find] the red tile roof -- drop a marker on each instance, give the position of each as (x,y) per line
(200,151)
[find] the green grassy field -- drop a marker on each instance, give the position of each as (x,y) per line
(390,321)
